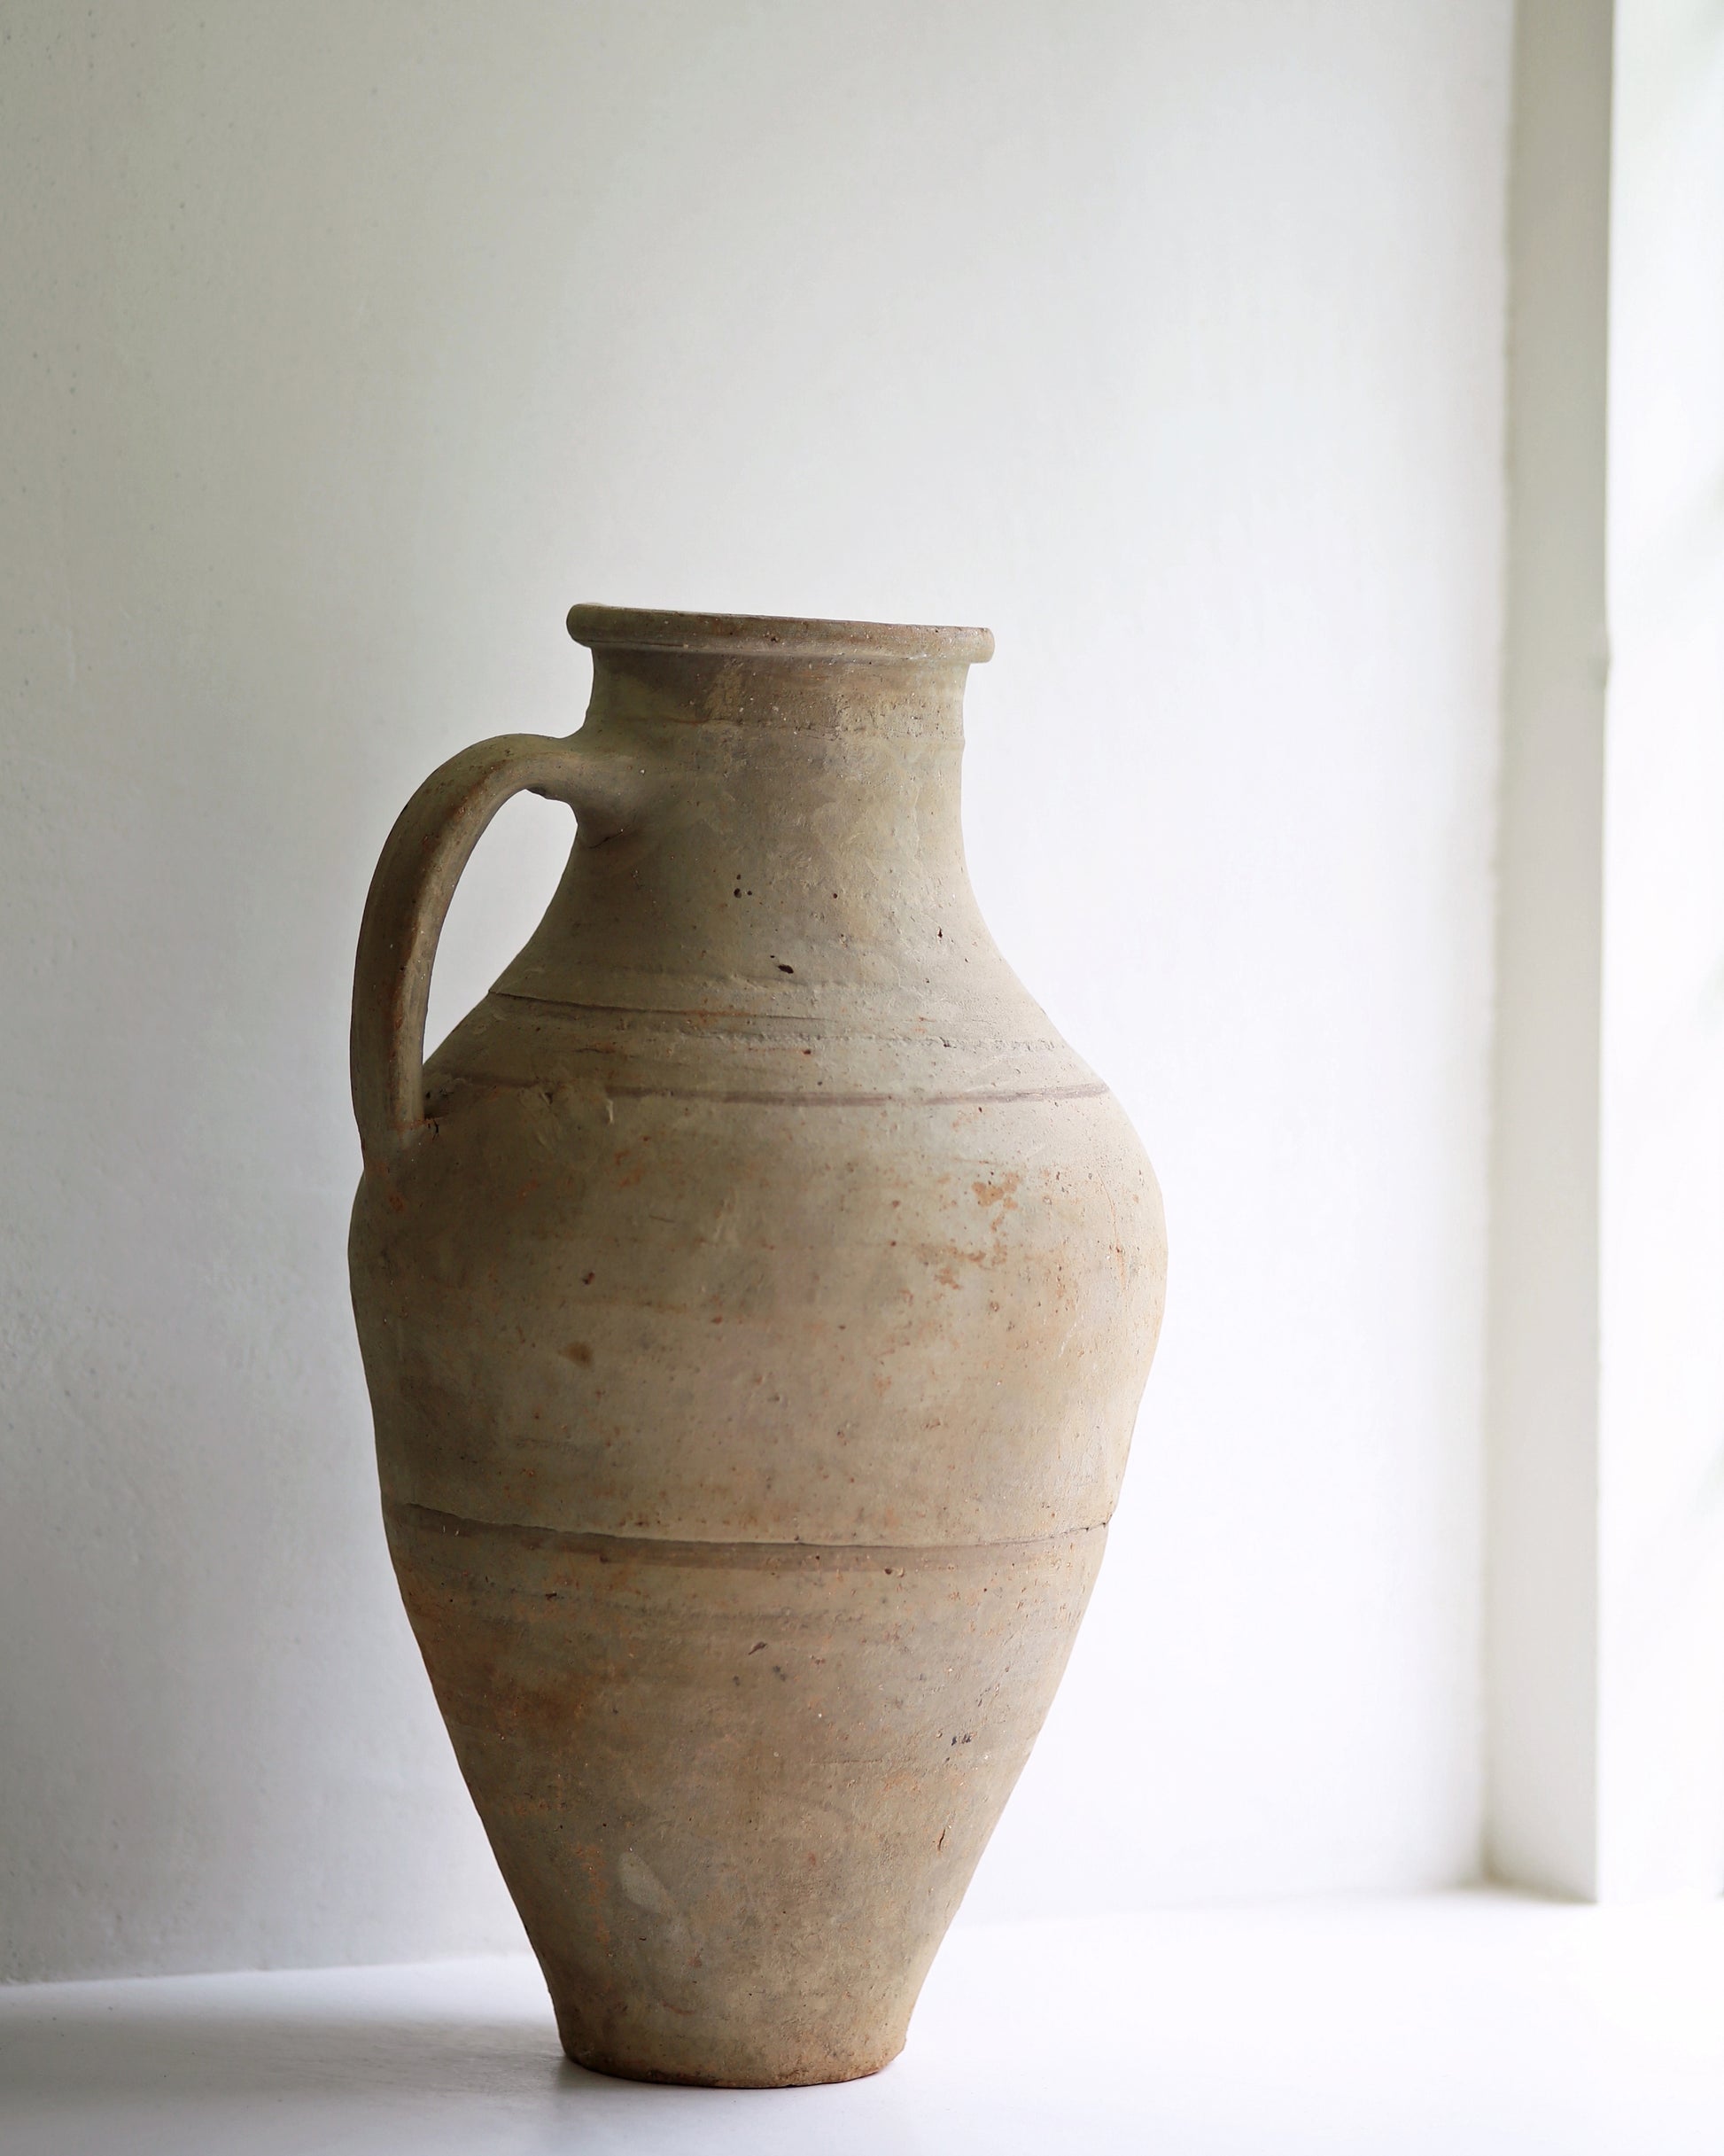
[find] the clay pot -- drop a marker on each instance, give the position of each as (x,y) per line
(756,1296)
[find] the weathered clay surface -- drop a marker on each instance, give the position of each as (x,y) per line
(755,1296)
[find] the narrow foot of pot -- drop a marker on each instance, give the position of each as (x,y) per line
(776,2059)
(801,2076)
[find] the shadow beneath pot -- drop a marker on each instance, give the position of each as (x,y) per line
(433,2057)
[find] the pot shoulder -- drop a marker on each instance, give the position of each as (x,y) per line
(695,1280)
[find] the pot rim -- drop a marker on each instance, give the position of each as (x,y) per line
(642,628)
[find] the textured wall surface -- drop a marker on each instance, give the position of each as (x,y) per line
(345,346)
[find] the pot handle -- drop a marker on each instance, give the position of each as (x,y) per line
(422,860)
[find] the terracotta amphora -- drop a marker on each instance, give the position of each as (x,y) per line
(756,1296)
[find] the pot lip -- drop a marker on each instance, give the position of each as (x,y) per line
(645,628)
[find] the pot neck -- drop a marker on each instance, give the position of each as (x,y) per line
(797,834)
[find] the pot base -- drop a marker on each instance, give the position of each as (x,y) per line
(770,2070)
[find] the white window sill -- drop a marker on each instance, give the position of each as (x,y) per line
(1456,2025)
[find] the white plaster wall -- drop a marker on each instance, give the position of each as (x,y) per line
(1607,1527)
(1661,1825)
(1542,1629)
(344,346)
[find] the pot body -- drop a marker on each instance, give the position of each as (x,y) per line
(756,1296)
